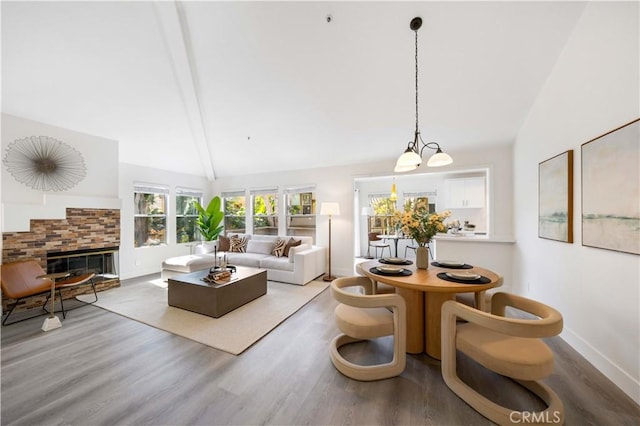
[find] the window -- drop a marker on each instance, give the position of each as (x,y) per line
(384,208)
(301,211)
(234,211)
(265,211)
(150,215)
(410,199)
(187,215)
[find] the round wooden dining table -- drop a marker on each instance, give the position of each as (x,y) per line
(424,294)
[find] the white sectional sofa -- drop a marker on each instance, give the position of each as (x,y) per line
(303,263)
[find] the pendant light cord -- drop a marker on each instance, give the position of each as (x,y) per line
(416,31)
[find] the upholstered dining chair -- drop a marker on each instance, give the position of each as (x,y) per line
(377,287)
(377,243)
(508,346)
(363,317)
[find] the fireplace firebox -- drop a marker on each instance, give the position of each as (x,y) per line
(101,261)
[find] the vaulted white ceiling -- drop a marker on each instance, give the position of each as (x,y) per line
(229,88)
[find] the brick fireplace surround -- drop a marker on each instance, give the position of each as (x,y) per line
(82,229)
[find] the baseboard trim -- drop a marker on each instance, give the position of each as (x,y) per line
(617,375)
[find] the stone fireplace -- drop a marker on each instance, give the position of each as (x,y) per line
(87,239)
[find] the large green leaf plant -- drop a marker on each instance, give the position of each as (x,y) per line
(210,219)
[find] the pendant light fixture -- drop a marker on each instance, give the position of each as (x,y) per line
(412,156)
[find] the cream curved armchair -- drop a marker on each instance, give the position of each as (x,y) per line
(363,317)
(511,347)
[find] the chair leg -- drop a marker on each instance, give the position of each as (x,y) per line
(95,294)
(365,373)
(64,314)
(4,322)
(64,311)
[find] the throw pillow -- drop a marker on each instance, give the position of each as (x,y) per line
(238,244)
(278,250)
(224,243)
(291,243)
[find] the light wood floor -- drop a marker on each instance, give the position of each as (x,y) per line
(104,369)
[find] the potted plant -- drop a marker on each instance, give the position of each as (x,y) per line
(209,219)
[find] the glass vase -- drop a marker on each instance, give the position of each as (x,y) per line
(422,257)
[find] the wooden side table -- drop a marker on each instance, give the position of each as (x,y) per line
(52,321)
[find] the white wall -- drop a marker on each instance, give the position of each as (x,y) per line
(100,156)
(148,260)
(592,89)
(337,184)
(99,188)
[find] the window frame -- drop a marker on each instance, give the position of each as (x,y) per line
(231,218)
(272,219)
(303,196)
(156,190)
(195,195)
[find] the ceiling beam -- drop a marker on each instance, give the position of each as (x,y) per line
(173,28)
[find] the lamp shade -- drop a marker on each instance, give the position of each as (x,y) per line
(330,209)
(409,160)
(399,169)
(394,194)
(439,159)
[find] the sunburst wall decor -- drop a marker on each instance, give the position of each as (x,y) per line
(44,163)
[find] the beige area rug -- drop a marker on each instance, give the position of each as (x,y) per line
(233,332)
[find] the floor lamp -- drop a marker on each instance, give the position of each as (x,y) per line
(330,209)
(368,212)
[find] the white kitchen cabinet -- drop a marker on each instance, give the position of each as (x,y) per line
(465,193)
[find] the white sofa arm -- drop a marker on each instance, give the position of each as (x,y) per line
(206,247)
(310,263)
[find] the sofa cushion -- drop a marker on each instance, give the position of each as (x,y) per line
(238,244)
(278,249)
(260,237)
(245,259)
(291,243)
(279,263)
(257,246)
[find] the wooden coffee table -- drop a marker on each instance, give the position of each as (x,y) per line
(189,292)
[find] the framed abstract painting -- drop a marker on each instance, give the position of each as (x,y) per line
(555,198)
(611,190)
